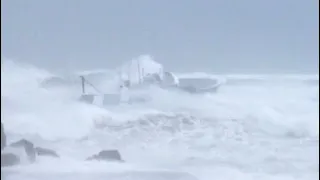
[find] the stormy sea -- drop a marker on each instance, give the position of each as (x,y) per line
(256,126)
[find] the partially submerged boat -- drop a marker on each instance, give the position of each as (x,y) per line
(140,80)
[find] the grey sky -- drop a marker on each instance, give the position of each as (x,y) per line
(233,36)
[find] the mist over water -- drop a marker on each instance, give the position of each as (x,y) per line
(254,127)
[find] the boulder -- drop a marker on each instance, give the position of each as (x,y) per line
(9,159)
(106,155)
(3,137)
(28,147)
(32,151)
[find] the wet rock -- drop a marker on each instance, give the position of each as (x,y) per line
(46,152)
(28,147)
(32,151)
(9,159)
(106,155)
(3,137)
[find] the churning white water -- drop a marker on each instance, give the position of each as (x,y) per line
(254,127)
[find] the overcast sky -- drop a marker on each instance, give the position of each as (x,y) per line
(235,36)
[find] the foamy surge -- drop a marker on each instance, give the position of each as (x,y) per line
(245,131)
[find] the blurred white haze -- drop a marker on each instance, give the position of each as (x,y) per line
(261,124)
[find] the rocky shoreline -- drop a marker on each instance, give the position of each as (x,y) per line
(10,158)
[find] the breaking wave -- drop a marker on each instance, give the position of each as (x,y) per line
(273,119)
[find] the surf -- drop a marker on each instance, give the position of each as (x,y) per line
(270,118)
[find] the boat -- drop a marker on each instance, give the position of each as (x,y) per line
(140,79)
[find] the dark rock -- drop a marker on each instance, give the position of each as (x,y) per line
(106,155)
(9,159)
(3,137)
(28,147)
(32,151)
(46,152)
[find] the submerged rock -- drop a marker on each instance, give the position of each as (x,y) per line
(106,155)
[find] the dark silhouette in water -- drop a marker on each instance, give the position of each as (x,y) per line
(11,159)
(3,137)
(106,155)
(28,147)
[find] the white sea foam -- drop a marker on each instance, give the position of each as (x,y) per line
(247,130)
